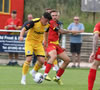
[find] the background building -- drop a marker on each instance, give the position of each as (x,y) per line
(6,6)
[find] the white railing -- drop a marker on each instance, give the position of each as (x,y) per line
(63,37)
(3,30)
(63,44)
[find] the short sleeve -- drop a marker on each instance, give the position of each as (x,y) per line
(82,27)
(47,29)
(19,23)
(97,28)
(70,27)
(54,27)
(29,25)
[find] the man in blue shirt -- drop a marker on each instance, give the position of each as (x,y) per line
(76,40)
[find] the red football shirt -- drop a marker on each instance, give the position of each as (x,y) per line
(97,28)
(53,35)
(11,23)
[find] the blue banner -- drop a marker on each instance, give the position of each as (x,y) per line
(11,43)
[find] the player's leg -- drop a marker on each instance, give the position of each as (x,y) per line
(46,59)
(28,53)
(55,65)
(45,63)
(62,68)
(53,56)
(92,74)
(66,60)
(38,65)
(34,59)
(39,51)
(25,69)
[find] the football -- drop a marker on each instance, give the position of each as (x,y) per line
(38,78)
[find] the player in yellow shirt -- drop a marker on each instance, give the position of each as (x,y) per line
(33,42)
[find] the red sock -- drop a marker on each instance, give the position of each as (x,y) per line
(45,63)
(48,67)
(91,78)
(60,72)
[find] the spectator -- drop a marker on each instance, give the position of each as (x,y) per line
(76,40)
(29,18)
(13,23)
(48,10)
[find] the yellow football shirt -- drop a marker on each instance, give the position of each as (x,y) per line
(36,30)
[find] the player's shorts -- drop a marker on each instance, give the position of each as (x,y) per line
(97,56)
(54,47)
(75,47)
(33,46)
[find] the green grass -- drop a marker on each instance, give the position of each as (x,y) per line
(73,79)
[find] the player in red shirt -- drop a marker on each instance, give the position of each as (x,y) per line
(54,48)
(13,23)
(94,57)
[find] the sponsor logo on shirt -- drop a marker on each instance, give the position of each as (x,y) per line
(28,52)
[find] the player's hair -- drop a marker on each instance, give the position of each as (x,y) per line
(47,15)
(48,9)
(14,12)
(54,11)
(76,17)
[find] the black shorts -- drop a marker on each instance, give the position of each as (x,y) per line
(75,47)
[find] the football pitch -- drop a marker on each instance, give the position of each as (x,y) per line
(73,79)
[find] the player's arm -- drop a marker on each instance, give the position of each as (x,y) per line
(64,31)
(25,28)
(22,34)
(95,42)
(46,38)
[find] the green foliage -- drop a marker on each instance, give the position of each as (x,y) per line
(67,8)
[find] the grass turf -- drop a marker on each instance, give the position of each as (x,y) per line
(73,79)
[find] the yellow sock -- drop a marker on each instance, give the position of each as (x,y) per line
(25,68)
(37,66)
(55,62)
